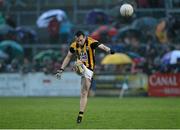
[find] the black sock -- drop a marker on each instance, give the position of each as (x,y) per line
(81,112)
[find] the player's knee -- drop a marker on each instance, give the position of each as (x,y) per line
(84,94)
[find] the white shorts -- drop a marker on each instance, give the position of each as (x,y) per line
(87,72)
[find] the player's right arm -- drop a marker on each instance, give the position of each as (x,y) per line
(66,60)
(64,64)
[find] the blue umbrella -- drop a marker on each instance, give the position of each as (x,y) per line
(3,55)
(170,57)
(97,16)
(4,29)
(133,55)
(128,30)
(166,58)
(118,47)
(145,23)
(46,17)
(26,33)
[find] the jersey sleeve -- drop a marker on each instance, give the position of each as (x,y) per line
(94,45)
(72,48)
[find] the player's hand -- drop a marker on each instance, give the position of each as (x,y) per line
(59,73)
(112,51)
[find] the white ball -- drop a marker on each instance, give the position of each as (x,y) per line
(126,10)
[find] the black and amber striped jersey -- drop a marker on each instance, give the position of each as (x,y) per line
(85,53)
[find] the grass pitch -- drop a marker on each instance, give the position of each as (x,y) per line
(102,113)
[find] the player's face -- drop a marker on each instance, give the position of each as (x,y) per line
(80,40)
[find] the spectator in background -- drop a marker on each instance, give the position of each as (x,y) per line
(10,21)
(173,28)
(150,3)
(57,64)
(177,70)
(53,30)
(11,3)
(14,66)
(36,66)
(142,3)
(176,3)
(156,3)
(26,67)
(8,51)
(48,66)
(2,19)
(2,22)
(132,44)
(2,66)
(65,31)
(26,35)
(1,3)
(161,32)
(20,3)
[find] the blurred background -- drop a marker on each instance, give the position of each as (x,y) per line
(35,36)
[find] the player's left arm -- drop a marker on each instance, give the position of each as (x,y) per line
(105,48)
(102,47)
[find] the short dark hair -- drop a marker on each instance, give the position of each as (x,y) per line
(79,33)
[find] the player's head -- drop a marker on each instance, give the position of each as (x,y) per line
(80,38)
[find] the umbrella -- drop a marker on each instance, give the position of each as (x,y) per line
(117,47)
(136,58)
(128,30)
(48,53)
(44,18)
(97,16)
(4,29)
(145,23)
(108,30)
(12,48)
(117,59)
(171,57)
(2,20)
(26,33)
(133,55)
(3,55)
(166,58)
(114,12)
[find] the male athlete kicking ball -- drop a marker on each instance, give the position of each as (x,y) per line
(83,48)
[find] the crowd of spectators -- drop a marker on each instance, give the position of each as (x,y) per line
(151,45)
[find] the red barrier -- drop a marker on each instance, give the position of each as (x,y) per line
(164,85)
